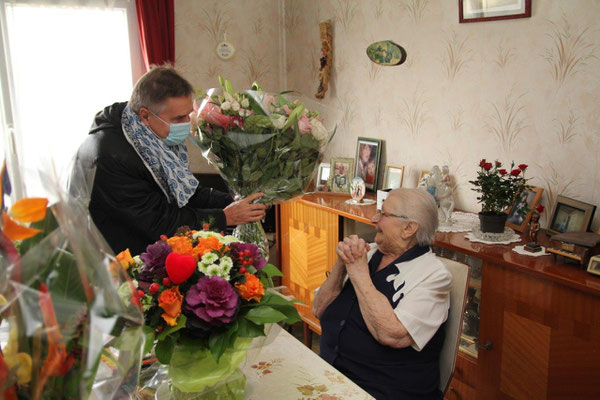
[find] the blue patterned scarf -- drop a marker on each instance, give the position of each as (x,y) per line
(167,164)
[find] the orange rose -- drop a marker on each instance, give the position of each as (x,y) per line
(125,258)
(252,289)
(170,301)
(180,245)
(206,245)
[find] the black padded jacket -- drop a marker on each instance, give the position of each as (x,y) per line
(126,203)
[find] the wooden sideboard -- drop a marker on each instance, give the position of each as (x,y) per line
(539,320)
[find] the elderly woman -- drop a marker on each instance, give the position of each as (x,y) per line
(383,306)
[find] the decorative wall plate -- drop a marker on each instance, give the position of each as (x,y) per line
(386,53)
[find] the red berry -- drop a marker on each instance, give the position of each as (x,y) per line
(206,227)
(153,289)
(243,270)
(141,293)
(166,282)
(163,238)
(222,233)
(245,262)
(247,253)
(251,261)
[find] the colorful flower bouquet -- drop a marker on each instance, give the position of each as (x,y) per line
(64,331)
(204,300)
(261,142)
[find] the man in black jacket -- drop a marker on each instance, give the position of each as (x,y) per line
(136,164)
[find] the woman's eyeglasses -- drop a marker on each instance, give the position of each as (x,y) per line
(380,214)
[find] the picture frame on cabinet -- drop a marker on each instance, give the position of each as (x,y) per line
(492,10)
(526,201)
(322,181)
(425,173)
(594,265)
(393,176)
(368,154)
(570,215)
(340,174)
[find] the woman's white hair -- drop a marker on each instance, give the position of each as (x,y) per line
(419,206)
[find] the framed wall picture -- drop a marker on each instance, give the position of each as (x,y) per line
(594,265)
(392,176)
(368,153)
(425,173)
(323,177)
(491,10)
(520,212)
(340,174)
(570,215)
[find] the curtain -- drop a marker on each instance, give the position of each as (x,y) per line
(156,20)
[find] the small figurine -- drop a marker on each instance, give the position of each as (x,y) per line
(534,228)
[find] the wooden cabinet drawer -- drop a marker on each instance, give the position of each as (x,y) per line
(466,370)
(459,391)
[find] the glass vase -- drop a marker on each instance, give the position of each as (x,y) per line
(253,232)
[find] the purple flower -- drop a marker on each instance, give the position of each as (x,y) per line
(247,251)
(154,260)
(213,300)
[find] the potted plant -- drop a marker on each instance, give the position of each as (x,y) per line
(497,188)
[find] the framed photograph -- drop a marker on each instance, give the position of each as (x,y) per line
(520,212)
(491,10)
(340,174)
(594,265)
(422,176)
(392,176)
(323,176)
(571,215)
(368,153)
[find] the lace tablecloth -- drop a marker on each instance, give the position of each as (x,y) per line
(460,222)
(286,369)
(507,237)
(521,250)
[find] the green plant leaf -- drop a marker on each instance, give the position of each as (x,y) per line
(265,315)
(181,320)
(217,343)
(149,343)
(250,329)
(164,349)
(271,271)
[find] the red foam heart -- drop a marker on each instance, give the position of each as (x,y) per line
(180,267)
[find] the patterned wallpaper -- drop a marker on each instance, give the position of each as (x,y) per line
(525,89)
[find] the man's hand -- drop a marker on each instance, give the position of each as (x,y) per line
(243,211)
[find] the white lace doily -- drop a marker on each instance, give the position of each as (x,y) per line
(459,222)
(507,237)
(365,202)
(521,250)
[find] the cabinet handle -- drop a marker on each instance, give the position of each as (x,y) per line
(486,346)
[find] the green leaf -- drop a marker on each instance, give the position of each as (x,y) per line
(149,333)
(250,329)
(164,349)
(181,320)
(271,271)
(217,343)
(265,315)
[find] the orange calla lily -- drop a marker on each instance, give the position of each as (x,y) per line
(14,231)
(30,209)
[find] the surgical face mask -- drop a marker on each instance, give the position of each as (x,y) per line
(177,132)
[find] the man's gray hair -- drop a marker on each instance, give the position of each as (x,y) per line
(156,86)
(418,205)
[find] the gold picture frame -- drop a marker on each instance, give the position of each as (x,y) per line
(593,266)
(570,215)
(393,176)
(341,174)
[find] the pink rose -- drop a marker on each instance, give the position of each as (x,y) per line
(304,124)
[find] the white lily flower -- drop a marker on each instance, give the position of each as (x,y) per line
(245,103)
(278,120)
(225,106)
(318,130)
(228,97)
(235,106)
